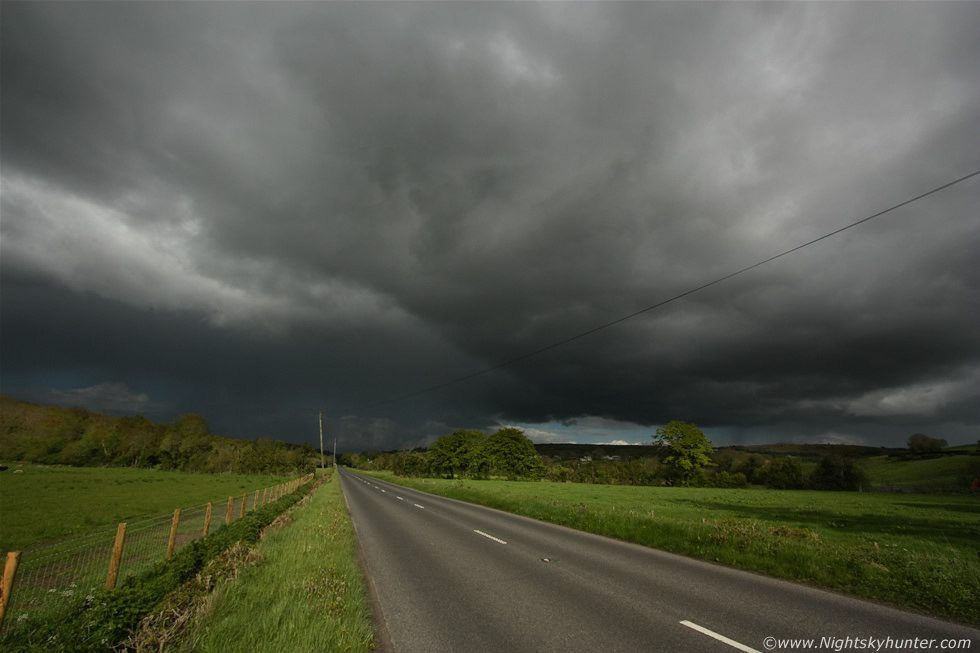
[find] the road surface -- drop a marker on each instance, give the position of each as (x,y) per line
(451,576)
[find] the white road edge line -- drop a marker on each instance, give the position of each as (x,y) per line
(720,638)
(495,539)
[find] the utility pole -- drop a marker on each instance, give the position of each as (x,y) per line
(321,445)
(335,453)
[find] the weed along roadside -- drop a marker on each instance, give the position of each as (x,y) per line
(914,551)
(304,592)
(103,619)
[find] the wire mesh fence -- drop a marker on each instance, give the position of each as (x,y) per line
(50,578)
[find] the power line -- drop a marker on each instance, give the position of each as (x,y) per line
(583,334)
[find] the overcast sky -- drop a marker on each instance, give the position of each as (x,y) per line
(257,211)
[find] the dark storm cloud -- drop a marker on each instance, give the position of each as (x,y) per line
(255,211)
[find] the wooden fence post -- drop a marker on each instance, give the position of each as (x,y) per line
(117,548)
(9,569)
(255,501)
(207,520)
(173,534)
(244,501)
(265,495)
(231,504)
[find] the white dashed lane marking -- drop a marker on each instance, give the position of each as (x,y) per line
(491,537)
(720,638)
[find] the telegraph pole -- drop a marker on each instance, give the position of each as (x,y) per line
(322,470)
(335,453)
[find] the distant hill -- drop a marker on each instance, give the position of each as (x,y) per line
(817,451)
(887,468)
(806,451)
(568,450)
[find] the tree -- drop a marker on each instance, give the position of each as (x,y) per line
(922,443)
(838,472)
(684,449)
(139,440)
(187,444)
(409,463)
(781,474)
(458,452)
(511,453)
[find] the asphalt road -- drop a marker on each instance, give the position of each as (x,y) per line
(450,576)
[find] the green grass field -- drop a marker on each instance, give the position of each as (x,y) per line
(926,474)
(917,551)
(46,504)
(304,594)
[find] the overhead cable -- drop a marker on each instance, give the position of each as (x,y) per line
(606,325)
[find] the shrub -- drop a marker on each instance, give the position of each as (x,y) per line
(728,479)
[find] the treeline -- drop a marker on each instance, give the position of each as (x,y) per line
(461,454)
(508,453)
(52,435)
(778,473)
(834,471)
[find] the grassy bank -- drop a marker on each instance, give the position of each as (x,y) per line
(915,551)
(103,619)
(305,593)
(932,474)
(45,504)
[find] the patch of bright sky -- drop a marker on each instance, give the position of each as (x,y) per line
(107,251)
(598,431)
(918,399)
(519,65)
(586,431)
